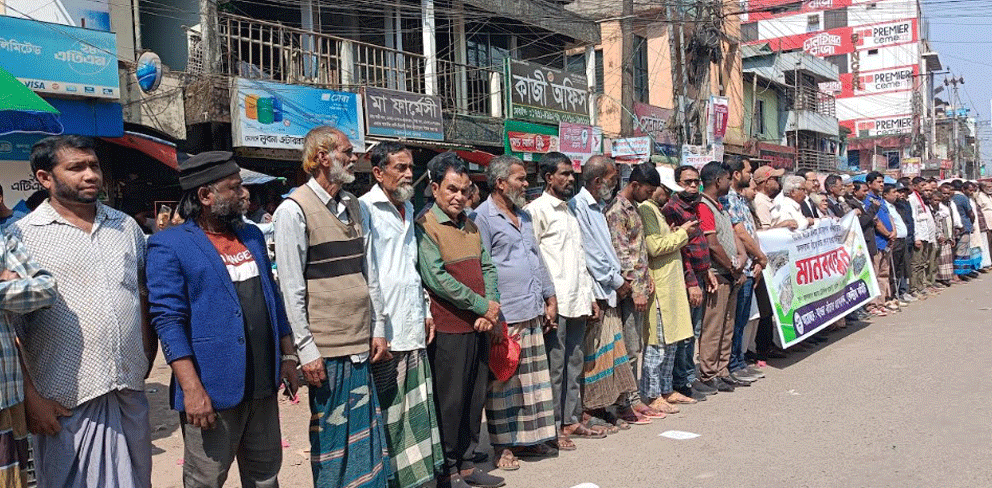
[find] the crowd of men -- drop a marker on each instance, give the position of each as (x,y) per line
(575,315)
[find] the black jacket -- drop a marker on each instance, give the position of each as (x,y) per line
(906,212)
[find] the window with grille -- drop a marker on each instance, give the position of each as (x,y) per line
(749,31)
(833,19)
(642,86)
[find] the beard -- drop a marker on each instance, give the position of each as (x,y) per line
(517,198)
(229,213)
(566,192)
(605,193)
(69,194)
(338,173)
(402,193)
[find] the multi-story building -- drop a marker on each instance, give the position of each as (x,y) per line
(879,50)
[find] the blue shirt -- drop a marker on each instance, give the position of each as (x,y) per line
(601,259)
(964,209)
(881,242)
(524,281)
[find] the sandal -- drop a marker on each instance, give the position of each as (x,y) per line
(508,461)
(678,398)
(562,443)
(536,451)
(631,417)
(583,432)
(662,406)
(652,412)
(598,424)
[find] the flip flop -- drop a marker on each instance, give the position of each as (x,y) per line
(512,465)
(598,424)
(583,432)
(563,443)
(651,412)
(632,417)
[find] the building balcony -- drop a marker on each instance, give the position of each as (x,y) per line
(818,161)
(258,49)
(809,109)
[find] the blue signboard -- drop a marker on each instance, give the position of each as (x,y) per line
(58,59)
(277,116)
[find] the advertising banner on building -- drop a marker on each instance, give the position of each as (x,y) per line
(541,94)
(18,182)
(632,149)
(816,276)
(718,112)
(402,114)
(777,156)
(524,139)
(910,167)
(883,126)
(880,81)
(578,142)
(698,156)
(277,116)
(653,121)
(58,59)
(844,40)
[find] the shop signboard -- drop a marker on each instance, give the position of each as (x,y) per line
(845,40)
(885,126)
(58,59)
(277,116)
(524,139)
(653,121)
(911,167)
(632,149)
(578,142)
(540,94)
(783,157)
(816,277)
(403,114)
(698,156)
(878,81)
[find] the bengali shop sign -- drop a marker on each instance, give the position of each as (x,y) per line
(579,142)
(632,149)
(845,40)
(653,121)
(817,276)
(541,94)
(403,114)
(524,140)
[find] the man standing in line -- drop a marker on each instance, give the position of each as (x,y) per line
(900,256)
(925,225)
(728,262)
(963,227)
(884,236)
(837,207)
(462,282)
(744,228)
(24,288)
(217,310)
(402,324)
(809,207)
(608,378)
(669,319)
(627,233)
(767,186)
(984,198)
(88,354)
(320,251)
(520,411)
(682,207)
(557,232)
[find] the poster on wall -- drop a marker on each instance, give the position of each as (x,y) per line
(816,277)
(632,149)
(579,142)
(277,116)
(698,156)
(718,112)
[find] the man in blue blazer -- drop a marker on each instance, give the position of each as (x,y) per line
(223,329)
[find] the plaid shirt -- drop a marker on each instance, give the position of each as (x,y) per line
(627,231)
(740,213)
(695,254)
(35,289)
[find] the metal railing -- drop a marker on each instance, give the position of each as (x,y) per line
(260,49)
(815,160)
(812,99)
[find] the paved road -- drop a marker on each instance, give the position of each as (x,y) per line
(905,401)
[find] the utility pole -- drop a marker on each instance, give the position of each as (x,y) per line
(955,102)
(627,69)
(209,38)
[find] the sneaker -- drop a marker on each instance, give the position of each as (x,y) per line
(483,479)
(754,372)
(720,385)
(704,388)
(907,298)
(741,376)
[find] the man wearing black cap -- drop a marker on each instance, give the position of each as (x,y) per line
(216,308)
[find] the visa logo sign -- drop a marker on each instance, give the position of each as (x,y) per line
(108,91)
(89,89)
(35,84)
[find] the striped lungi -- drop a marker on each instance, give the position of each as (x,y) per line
(606,374)
(945,262)
(347,442)
(962,256)
(14,451)
(406,394)
(521,410)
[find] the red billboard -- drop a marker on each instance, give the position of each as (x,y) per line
(842,41)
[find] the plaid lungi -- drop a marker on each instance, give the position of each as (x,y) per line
(347,442)
(606,374)
(406,394)
(945,262)
(14,439)
(521,410)
(962,256)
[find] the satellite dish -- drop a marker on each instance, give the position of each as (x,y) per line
(148,71)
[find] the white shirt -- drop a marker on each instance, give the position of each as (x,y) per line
(291,255)
(558,234)
(763,208)
(391,265)
(785,209)
(924,224)
(985,205)
(897,223)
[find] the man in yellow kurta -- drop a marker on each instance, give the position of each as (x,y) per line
(669,321)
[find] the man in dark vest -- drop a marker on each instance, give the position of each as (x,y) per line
(320,254)
(461,280)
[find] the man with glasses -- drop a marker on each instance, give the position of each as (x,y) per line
(767,186)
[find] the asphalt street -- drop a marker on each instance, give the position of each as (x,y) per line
(902,401)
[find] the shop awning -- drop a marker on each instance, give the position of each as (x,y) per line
(22,110)
(158,149)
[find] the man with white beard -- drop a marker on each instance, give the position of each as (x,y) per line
(402,324)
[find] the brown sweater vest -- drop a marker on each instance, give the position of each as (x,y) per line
(461,251)
(337,295)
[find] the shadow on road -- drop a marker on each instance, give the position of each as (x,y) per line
(807,349)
